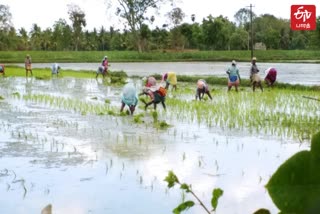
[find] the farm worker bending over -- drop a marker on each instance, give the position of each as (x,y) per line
(129,97)
(105,64)
(55,69)
(202,88)
(170,78)
(100,70)
(2,69)
(271,76)
(254,68)
(27,64)
(234,77)
(157,95)
(148,82)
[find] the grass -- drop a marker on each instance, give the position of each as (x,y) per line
(168,56)
(70,104)
(45,74)
(281,112)
(120,77)
(214,80)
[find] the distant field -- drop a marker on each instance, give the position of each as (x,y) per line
(164,56)
(14,71)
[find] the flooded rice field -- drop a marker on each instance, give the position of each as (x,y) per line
(293,73)
(63,142)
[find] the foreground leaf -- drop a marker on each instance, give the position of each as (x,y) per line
(183,206)
(295,186)
(216,194)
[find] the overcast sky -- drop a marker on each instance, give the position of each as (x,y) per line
(46,12)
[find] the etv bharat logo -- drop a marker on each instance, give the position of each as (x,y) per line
(303,17)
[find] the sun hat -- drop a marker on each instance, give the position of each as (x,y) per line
(234,62)
(254,58)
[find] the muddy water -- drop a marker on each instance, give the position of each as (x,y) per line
(294,73)
(85,163)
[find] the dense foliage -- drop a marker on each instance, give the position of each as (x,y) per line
(212,33)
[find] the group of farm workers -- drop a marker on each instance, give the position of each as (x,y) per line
(55,68)
(234,76)
(28,67)
(157,93)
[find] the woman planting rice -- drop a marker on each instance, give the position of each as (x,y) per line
(129,97)
(234,77)
(202,88)
(271,76)
(170,78)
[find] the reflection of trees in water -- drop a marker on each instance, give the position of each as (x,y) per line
(295,186)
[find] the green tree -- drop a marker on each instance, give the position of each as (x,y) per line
(104,39)
(134,12)
(46,39)
(159,38)
(5,27)
(77,17)
(196,40)
(187,33)
(23,39)
(176,16)
(35,37)
(315,36)
(242,17)
(5,17)
(239,40)
(145,34)
(271,31)
(217,32)
(208,30)
(299,40)
(91,40)
(118,41)
(61,35)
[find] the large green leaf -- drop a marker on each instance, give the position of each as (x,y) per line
(171,179)
(183,206)
(295,186)
(216,194)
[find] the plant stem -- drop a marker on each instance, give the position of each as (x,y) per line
(204,207)
(201,203)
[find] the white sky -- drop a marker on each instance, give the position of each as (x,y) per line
(46,12)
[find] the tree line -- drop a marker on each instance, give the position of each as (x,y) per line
(212,33)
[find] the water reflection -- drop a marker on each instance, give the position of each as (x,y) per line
(108,164)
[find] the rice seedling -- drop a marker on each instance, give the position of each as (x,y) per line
(277,111)
(155,116)
(137,118)
(162,125)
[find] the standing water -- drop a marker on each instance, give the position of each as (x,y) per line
(62,144)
